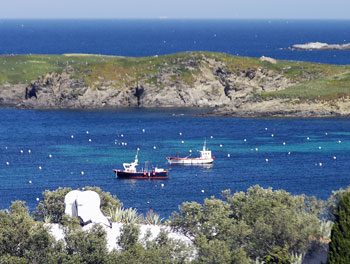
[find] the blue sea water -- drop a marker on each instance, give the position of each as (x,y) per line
(307,169)
(138,38)
(315,166)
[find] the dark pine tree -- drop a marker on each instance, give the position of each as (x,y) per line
(339,248)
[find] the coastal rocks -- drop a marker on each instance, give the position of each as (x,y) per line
(320,46)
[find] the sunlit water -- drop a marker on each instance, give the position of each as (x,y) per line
(310,156)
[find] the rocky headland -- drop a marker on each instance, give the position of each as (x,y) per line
(232,86)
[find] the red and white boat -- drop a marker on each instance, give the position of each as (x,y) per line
(204,158)
(130,172)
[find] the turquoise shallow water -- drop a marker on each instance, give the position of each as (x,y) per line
(314,159)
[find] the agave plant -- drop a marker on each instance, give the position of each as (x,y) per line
(326,228)
(47,219)
(130,216)
(116,214)
(153,218)
(297,258)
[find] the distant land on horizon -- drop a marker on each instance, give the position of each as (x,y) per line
(232,85)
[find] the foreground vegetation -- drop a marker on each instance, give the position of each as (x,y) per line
(257,226)
(315,81)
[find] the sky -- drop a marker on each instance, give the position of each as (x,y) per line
(196,9)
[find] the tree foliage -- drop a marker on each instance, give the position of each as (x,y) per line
(257,221)
(339,248)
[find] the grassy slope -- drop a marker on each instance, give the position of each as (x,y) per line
(318,80)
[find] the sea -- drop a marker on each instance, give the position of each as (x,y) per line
(44,150)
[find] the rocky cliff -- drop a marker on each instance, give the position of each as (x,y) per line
(231,85)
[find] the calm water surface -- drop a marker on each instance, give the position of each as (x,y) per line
(313,166)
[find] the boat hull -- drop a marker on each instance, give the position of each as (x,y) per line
(142,175)
(189,161)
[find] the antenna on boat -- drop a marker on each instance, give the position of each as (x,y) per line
(205,144)
(136,156)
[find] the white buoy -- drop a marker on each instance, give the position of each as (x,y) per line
(50,156)
(228,155)
(37,199)
(162,185)
(143,130)
(89,139)
(138,148)
(82,173)
(30,182)
(289,153)
(265,128)
(6,147)
(190,150)
(7,163)
(308,138)
(272,135)
(180,133)
(122,135)
(125,143)
(334,157)
(154,147)
(220,145)
(267,160)
(256,149)
(29,151)
(326,133)
(320,164)
(202,191)
(87,132)
(21,151)
(182,141)
(339,141)
(284,143)
(72,136)
(40,167)
(319,147)
(211,136)
(245,140)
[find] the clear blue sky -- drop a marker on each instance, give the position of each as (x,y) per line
(273,9)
